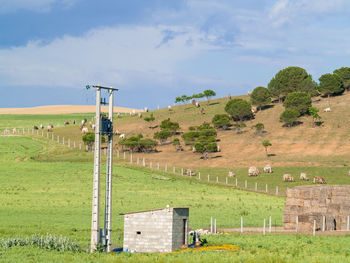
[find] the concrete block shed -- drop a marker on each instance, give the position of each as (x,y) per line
(159,230)
(327,205)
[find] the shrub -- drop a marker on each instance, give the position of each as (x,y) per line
(221,121)
(162,135)
(289,116)
(190,137)
(176,142)
(169,125)
(260,97)
(239,109)
(137,144)
(299,101)
(150,119)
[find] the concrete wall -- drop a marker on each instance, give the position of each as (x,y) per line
(311,203)
(154,231)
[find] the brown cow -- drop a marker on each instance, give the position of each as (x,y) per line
(319,179)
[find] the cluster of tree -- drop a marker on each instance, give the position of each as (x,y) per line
(138,144)
(203,138)
(207,93)
(167,129)
(239,110)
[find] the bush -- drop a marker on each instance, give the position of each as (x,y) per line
(289,116)
(299,101)
(208,132)
(162,135)
(89,139)
(190,137)
(239,109)
(221,121)
(169,125)
(137,144)
(260,97)
(176,142)
(150,119)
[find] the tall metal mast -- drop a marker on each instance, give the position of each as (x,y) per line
(104,126)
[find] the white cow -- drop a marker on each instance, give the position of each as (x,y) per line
(253,171)
(84,130)
(122,136)
(169,107)
(268,168)
(327,109)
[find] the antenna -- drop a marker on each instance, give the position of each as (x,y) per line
(104,126)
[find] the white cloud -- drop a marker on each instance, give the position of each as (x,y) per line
(107,55)
(42,6)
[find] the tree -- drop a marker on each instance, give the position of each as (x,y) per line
(260,97)
(259,127)
(150,118)
(221,121)
(314,113)
(209,93)
(89,139)
(266,144)
(239,109)
(170,125)
(198,96)
(238,126)
(162,135)
(289,116)
(299,101)
(344,74)
(330,84)
(137,144)
(179,100)
(291,79)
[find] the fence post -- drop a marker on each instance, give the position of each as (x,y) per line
(69,143)
(276,190)
(37,132)
(215,226)
(190,172)
(131,158)
(314,230)
(182,171)
(270,224)
(217,179)
(236,182)
(150,165)
(137,161)
(80,146)
(241,224)
(245,184)
(124,156)
(296,224)
(347,223)
(226,180)
(256,187)
(158,166)
(199,175)
(174,170)
(211,225)
(117,153)
(208,178)
(166,167)
(143,162)
(323,223)
(264,226)
(86,148)
(63,140)
(266,188)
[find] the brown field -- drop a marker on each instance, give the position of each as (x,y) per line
(62,109)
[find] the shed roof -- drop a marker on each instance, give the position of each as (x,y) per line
(151,210)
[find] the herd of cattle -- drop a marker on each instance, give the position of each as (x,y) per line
(50,127)
(254,171)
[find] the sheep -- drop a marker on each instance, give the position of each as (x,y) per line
(122,136)
(288,178)
(190,172)
(253,171)
(14,130)
(132,113)
(84,130)
(194,102)
(83,121)
(197,105)
(169,108)
(140,115)
(268,168)
(319,179)
(303,176)
(146,109)
(93,126)
(118,115)
(231,174)
(117,132)
(327,109)
(229,96)
(66,123)
(36,127)
(254,109)
(41,126)
(249,92)
(90,124)
(202,111)
(73,122)
(49,127)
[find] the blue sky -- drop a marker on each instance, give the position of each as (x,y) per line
(156,50)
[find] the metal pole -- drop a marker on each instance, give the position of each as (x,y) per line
(108,211)
(95,224)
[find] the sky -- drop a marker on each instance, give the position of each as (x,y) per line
(156,50)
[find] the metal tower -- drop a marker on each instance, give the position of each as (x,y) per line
(103,126)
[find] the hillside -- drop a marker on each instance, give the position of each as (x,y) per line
(300,145)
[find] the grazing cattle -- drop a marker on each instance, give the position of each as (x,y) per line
(194,102)
(36,127)
(146,109)
(6,131)
(303,176)
(117,132)
(14,130)
(202,111)
(169,108)
(229,96)
(84,130)
(288,178)
(90,124)
(253,171)
(327,110)
(93,126)
(249,92)
(74,122)
(254,109)
(83,121)
(231,174)
(319,179)
(140,115)
(190,172)
(118,115)
(41,126)
(49,127)
(132,113)
(122,136)
(268,169)
(66,123)
(81,126)
(197,105)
